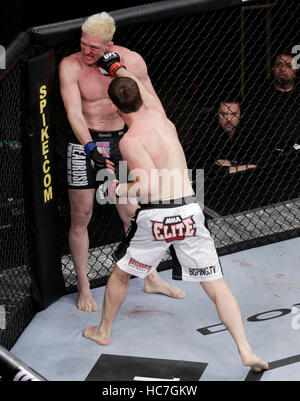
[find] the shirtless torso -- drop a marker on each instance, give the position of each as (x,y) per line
(84,91)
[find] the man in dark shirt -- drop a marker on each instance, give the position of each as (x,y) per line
(230,160)
(277,113)
(282,103)
(232,146)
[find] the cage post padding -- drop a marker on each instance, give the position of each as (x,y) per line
(13,369)
(41,205)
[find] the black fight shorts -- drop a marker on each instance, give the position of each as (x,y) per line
(80,174)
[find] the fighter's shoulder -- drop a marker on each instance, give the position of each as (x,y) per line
(131,139)
(70,64)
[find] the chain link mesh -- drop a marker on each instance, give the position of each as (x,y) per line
(15,282)
(194,63)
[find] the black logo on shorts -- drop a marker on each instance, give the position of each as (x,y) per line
(173,228)
(203,271)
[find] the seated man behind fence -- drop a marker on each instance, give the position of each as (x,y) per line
(232,149)
(230,159)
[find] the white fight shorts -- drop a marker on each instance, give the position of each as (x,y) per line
(158,226)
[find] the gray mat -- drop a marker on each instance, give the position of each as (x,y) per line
(166,338)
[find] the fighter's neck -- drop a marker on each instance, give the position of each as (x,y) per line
(132,118)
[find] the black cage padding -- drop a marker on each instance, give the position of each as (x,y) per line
(40,189)
(56,33)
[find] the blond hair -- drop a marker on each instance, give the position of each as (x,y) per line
(101,24)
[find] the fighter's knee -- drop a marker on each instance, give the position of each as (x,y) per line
(121,274)
(127,212)
(126,223)
(80,220)
(126,218)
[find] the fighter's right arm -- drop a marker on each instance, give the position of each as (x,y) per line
(148,98)
(69,89)
(110,63)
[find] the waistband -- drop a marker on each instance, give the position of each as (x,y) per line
(169,203)
(109,134)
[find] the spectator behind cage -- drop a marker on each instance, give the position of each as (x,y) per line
(276,117)
(276,108)
(230,159)
(232,147)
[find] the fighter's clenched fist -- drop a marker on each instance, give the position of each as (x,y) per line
(109,63)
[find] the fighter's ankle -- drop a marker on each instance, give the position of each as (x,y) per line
(245,352)
(84,288)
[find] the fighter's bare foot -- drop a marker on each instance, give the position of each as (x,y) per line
(254,362)
(93,333)
(86,303)
(159,286)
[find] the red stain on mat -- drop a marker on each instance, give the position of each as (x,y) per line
(242,263)
(148,311)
